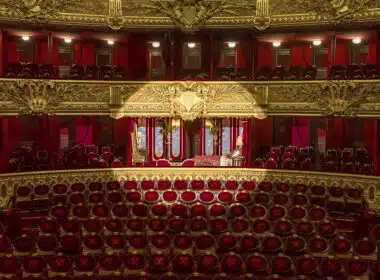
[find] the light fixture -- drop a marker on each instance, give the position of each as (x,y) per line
(25,38)
(357,40)
(231,44)
(110,42)
(156,44)
(67,40)
(276,44)
(191,45)
(317,42)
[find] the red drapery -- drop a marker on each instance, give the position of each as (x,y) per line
(137,56)
(42,56)
(262,135)
(301,55)
(372,48)
(301,132)
(265,54)
(342,55)
(336,130)
(120,55)
(10,130)
(371,141)
(83,131)
(13,55)
(84,54)
(122,137)
(247,149)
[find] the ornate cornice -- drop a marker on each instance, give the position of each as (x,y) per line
(369,184)
(190,100)
(190,15)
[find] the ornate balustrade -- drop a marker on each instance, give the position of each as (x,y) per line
(190,100)
(368,184)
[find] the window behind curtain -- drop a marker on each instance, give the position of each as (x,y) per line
(103,56)
(209,145)
(192,57)
(226,136)
(158,140)
(359,54)
(157,67)
(176,141)
(64,138)
(65,60)
(321,61)
(26,51)
(229,57)
(283,57)
(141,130)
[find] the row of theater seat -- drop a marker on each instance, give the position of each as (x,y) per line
(278,73)
(183,266)
(77,72)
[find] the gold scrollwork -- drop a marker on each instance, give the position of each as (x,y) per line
(190,15)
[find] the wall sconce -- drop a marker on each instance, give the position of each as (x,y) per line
(317,43)
(276,44)
(231,45)
(156,44)
(68,40)
(25,38)
(176,123)
(191,45)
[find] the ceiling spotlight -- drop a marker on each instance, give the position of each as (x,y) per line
(191,45)
(357,40)
(25,38)
(68,40)
(231,45)
(156,44)
(110,42)
(276,44)
(317,42)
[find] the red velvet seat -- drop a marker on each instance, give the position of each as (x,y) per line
(232,264)
(139,210)
(80,212)
(47,244)
(249,243)
(135,225)
(258,211)
(48,225)
(33,265)
(107,73)
(257,264)
(207,263)
(282,264)
(240,226)
(283,228)
(133,196)
(100,211)
(138,242)
(177,224)
(96,197)
(159,210)
(198,210)
(295,245)
(157,225)
(160,242)
(114,197)
(113,225)
(159,263)
(218,225)
(9,266)
(261,226)
(24,245)
(206,197)
(331,267)
(318,246)
(272,244)
(327,228)
(225,197)
(69,243)
(130,185)
(182,242)
(110,264)
(92,225)
(84,264)
(76,72)
(115,243)
(59,264)
(92,243)
(70,226)
(188,196)
(5,245)
(183,263)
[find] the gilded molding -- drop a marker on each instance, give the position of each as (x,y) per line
(190,15)
(369,184)
(190,100)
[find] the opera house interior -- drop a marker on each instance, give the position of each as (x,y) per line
(190,139)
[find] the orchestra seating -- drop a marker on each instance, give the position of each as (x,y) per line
(191,230)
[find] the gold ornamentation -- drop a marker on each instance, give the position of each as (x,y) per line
(262,20)
(115,14)
(190,15)
(40,11)
(35,97)
(332,98)
(369,184)
(335,10)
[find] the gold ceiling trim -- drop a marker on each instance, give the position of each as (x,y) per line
(190,15)
(369,184)
(190,100)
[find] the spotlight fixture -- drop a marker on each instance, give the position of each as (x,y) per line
(110,42)
(357,40)
(25,38)
(317,42)
(276,44)
(191,45)
(156,44)
(231,44)
(67,40)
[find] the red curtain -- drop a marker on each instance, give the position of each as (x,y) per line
(42,56)
(262,134)
(122,136)
(371,141)
(336,131)
(240,57)
(265,54)
(342,55)
(13,55)
(83,131)
(247,149)
(84,54)
(10,131)
(120,55)
(301,132)
(138,56)
(301,55)
(372,48)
